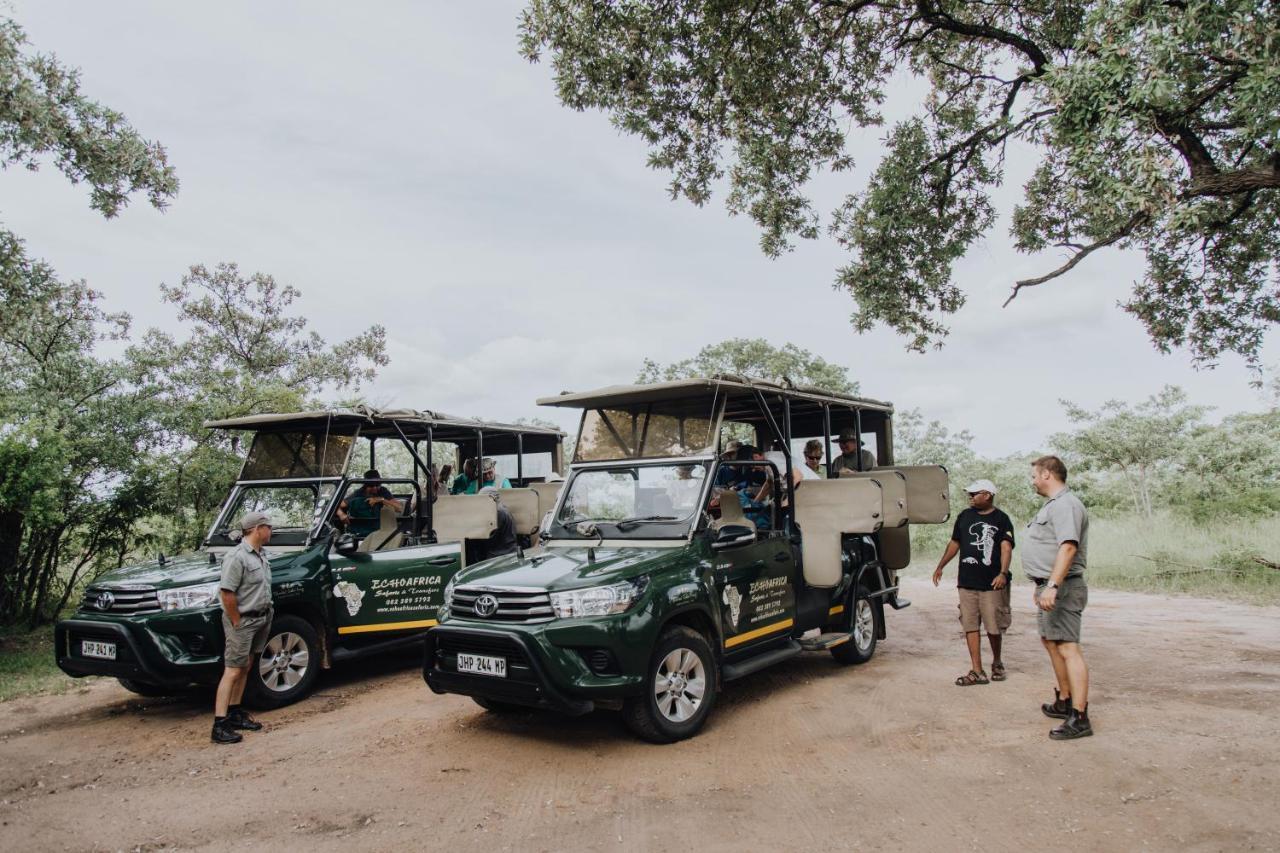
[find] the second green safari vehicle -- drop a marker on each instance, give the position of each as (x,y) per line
(669,568)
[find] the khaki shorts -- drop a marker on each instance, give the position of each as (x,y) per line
(985,608)
(247,641)
(1062,623)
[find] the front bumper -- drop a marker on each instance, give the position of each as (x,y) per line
(547,663)
(163,650)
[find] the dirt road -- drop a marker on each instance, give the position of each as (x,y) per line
(888,756)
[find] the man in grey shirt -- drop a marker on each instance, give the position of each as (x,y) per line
(853,456)
(1054,552)
(245,587)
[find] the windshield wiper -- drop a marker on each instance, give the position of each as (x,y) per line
(630,523)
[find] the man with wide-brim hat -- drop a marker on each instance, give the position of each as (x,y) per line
(245,587)
(850,450)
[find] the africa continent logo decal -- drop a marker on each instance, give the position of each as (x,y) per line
(733,598)
(350,593)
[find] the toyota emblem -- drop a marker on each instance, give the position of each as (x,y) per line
(486,605)
(104,600)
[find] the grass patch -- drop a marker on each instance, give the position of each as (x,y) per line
(1164,554)
(27,664)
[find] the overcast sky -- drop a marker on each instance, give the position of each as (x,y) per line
(402,165)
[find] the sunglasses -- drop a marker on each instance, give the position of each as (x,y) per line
(813,458)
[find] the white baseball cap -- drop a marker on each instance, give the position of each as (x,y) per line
(980,486)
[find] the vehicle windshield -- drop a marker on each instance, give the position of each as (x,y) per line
(294,509)
(644,501)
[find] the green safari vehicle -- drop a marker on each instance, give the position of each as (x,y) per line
(156,626)
(656,582)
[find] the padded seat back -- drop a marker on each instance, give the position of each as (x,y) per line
(894,483)
(523,506)
(731,512)
(825,511)
(548,494)
(387,536)
(458,517)
(928,493)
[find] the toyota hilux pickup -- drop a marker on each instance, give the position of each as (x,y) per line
(668,568)
(156,625)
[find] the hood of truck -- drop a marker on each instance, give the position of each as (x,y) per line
(182,570)
(555,569)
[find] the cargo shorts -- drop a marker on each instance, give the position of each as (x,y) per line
(985,608)
(247,641)
(1062,623)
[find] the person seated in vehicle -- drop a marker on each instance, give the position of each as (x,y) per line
(728,475)
(749,482)
(488,478)
(464,480)
(813,458)
(850,449)
(364,509)
(503,539)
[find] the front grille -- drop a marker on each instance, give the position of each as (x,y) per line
(514,605)
(123,601)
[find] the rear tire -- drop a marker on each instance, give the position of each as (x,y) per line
(287,669)
(864,624)
(680,688)
(151,691)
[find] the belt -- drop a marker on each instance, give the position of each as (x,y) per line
(254,614)
(1040,581)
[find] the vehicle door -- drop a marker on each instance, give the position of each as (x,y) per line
(384,594)
(755,588)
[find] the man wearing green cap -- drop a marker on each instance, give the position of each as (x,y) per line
(245,587)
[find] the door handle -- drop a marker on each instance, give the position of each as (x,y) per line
(781,557)
(441,561)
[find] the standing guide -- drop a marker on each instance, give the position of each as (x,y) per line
(983,536)
(1053,556)
(246,618)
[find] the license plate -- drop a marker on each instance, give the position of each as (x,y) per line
(482,665)
(95,649)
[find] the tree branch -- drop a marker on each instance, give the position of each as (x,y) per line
(1124,231)
(930,13)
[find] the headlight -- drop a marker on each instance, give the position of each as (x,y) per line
(188,597)
(598,600)
(447,601)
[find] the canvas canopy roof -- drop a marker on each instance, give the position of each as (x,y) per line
(375,423)
(700,392)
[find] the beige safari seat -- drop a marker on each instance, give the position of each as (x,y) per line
(894,485)
(387,536)
(827,509)
(523,505)
(459,517)
(731,512)
(548,494)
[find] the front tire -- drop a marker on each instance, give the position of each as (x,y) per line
(679,689)
(865,628)
(287,669)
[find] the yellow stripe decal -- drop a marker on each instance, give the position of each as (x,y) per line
(758,632)
(386,626)
(836,611)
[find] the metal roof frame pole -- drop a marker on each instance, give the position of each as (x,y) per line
(786,450)
(480,461)
(413,451)
(519,458)
(857,421)
(431,492)
(373,458)
(826,433)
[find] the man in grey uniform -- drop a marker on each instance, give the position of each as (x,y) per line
(1053,557)
(246,618)
(851,452)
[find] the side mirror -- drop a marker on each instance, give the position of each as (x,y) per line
(346,544)
(731,536)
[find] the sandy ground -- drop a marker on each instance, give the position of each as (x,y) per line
(807,755)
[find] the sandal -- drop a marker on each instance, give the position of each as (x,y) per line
(997,672)
(971,677)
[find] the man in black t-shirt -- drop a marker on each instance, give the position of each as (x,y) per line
(983,537)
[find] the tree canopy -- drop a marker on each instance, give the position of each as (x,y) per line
(755,357)
(1157,126)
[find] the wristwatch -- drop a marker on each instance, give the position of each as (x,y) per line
(1051,585)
